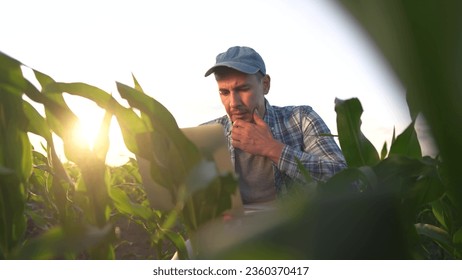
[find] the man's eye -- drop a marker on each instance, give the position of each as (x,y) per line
(223,92)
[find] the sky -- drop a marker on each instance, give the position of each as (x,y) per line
(313,50)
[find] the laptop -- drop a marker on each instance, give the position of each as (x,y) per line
(211,141)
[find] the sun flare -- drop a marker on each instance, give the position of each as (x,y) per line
(85,133)
(89,126)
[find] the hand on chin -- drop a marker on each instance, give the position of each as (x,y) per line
(242,117)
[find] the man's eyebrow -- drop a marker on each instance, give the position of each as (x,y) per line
(241,86)
(238,87)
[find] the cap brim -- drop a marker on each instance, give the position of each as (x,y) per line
(241,67)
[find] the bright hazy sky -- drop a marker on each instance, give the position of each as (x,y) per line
(313,52)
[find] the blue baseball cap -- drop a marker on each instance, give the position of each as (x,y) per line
(242,59)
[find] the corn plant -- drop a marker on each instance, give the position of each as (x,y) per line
(76,201)
(15,157)
(81,225)
(397,204)
(422,45)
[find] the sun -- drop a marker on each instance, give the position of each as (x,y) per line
(87,129)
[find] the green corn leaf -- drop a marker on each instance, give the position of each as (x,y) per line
(37,124)
(124,204)
(43,79)
(428,186)
(443,213)
(150,106)
(59,184)
(437,234)
(171,150)
(137,85)
(163,120)
(422,46)
(15,157)
(179,244)
(23,154)
(97,95)
(11,78)
(347,180)
(393,137)
(12,204)
(407,143)
(439,214)
(6,171)
(357,149)
(131,125)
(413,103)
(210,201)
(61,120)
(58,242)
(16,148)
(102,141)
(384,152)
(416,181)
(58,114)
(228,187)
(457,241)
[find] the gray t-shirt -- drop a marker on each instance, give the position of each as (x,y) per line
(256,178)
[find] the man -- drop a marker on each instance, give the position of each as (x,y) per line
(265,141)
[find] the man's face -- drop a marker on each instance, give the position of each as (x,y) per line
(241,94)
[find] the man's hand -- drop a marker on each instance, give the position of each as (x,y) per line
(256,138)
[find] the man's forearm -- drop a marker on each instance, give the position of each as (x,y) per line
(320,168)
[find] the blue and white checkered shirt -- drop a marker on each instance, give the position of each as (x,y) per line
(305,136)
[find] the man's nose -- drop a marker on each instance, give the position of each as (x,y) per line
(234,99)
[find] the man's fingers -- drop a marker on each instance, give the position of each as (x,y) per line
(257,119)
(238,123)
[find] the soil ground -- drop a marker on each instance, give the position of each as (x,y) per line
(134,242)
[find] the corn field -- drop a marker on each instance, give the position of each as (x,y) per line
(390,204)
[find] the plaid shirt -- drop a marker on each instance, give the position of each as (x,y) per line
(305,136)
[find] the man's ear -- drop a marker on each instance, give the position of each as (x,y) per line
(266,84)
